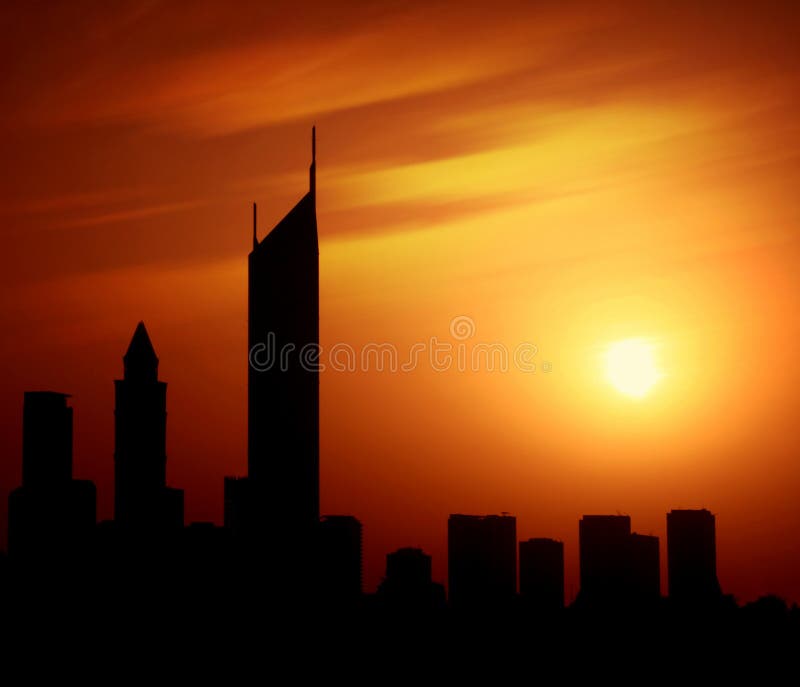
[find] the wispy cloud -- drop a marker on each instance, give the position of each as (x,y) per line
(218,72)
(70,202)
(250,81)
(129,214)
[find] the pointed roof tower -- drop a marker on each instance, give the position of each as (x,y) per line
(141,361)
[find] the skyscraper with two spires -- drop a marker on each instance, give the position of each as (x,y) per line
(275,509)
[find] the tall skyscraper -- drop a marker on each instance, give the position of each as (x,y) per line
(283,379)
(51,515)
(142,499)
(692,557)
(541,574)
(604,559)
(482,560)
(339,563)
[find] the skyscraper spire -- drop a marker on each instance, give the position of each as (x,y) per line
(141,361)
(283,400)
(255,234)
(312,172)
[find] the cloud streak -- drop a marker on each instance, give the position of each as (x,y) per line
(128,215)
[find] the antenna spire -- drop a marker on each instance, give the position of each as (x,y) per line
(312,172)
(255,235)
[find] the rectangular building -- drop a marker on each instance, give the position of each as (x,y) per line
(46,439)
(541,574)
(604,546)
(692,556)
(482,560)
(51,517)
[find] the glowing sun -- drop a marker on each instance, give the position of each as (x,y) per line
(631,367)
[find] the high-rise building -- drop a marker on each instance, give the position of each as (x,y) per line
(541,574)
(482,560)
(692,557)
(644,568)
(142,499)
(51,515)
(283,378)
(604,559)
(408,585)
(339,563)
(618,567)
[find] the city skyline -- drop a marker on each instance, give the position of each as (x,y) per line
(272,525)
(140,433)
(53,521)
(610,184)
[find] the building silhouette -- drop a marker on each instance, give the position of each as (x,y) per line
(276,508)
(604,546)
(274,552)
(617,567)
(644,569)
(339,542)
(541,574)
(142,499)
(51,516)
(482,560)
(408,585)
(46,439)
(692,557)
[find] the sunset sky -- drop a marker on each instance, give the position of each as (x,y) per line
(566,174)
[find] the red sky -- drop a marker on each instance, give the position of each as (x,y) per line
(568,174)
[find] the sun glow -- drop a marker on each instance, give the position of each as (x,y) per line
(631,367)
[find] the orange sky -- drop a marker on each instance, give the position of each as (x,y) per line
(567,174)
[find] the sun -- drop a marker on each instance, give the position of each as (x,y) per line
(631,367)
